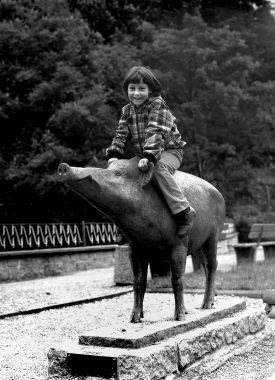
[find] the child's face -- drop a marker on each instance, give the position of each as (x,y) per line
(138,93)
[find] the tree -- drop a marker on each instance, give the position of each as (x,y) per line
(49,88)
(208,77)
(126,16)
(60,92)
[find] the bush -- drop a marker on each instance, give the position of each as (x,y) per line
(243,227)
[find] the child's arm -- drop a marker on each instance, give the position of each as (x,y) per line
(122,136)
(112,160)
(160,122)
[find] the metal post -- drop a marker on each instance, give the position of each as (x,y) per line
(83,233)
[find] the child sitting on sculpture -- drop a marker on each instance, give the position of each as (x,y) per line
(149,123)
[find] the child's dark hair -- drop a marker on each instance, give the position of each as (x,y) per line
(135,74)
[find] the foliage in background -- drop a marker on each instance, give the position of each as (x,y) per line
(61,67)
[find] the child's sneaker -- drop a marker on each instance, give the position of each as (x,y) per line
(185,221)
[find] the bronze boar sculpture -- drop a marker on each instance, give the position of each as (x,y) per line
(129,198)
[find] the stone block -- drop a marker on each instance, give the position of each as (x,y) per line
(4,264)
(80,266)
(161,325)
(4,274)
(185,356)
(195,344)
(47,269)
(57,359)
(15,263)
(69,264)
(153,362)
(256,321)
(123,274)
(35,270)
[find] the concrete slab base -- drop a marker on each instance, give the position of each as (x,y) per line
(160,326)
(162,348)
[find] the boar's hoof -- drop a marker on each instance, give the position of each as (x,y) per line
(207,305)
(180,316)
(136,316)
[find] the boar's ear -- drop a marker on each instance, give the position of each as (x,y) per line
(147,176)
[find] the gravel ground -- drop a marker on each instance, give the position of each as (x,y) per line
(31,294)
(25,340)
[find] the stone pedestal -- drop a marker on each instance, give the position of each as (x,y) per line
(123,274)
(269,250)
(245,253)
(161,348)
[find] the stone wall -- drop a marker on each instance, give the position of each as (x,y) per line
(228,237)
(25,265)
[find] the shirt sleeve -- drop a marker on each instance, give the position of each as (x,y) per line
(120,140)
(159,119)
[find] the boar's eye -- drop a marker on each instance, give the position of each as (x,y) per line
(118,174)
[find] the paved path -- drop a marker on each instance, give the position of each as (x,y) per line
(99,282)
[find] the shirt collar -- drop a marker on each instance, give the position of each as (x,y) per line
(143,104)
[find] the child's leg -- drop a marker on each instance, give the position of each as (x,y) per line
(166,166)
(175,199)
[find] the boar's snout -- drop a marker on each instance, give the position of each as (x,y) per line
(63,172)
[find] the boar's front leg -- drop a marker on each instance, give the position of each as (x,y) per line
(178,263)
(139,263)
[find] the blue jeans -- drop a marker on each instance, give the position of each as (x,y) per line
(164,179)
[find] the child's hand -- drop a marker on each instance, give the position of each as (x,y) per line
(143,164)
(111,160)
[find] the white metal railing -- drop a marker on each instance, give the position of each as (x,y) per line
(55,235)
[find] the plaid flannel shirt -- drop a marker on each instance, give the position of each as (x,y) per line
(152,128)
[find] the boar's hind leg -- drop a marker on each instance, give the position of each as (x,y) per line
(139,263)
(178,263)
(209,252)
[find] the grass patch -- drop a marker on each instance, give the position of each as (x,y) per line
(258,276)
